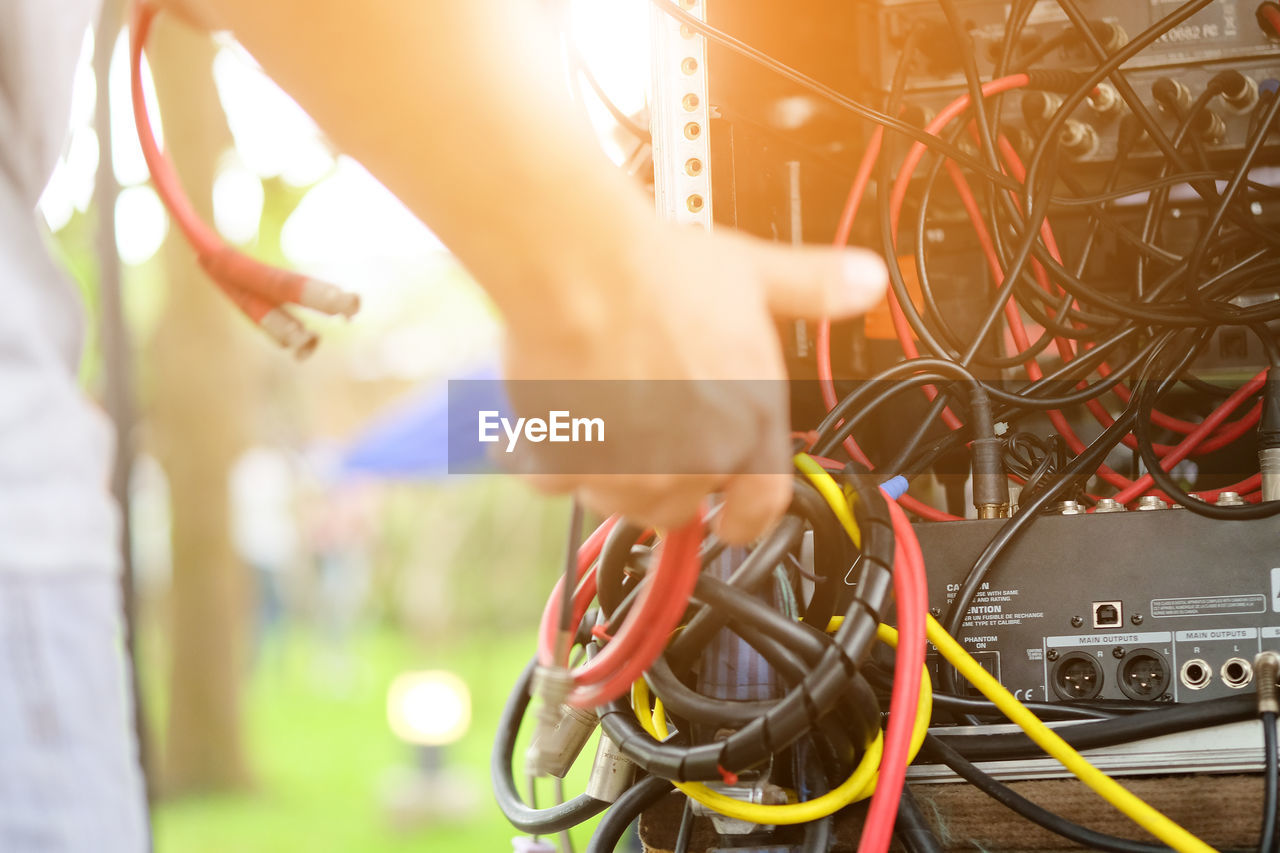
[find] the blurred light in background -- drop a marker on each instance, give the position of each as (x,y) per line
(237,200)
(147,220)
(274,136)
(429,708)
(349,210)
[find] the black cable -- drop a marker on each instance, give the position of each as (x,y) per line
(804,705)
(685,834)
(755,570)
(1200,250)
(640,796)
(568,583)
(1083,465)
(818,834)
(793,648)
(617,114)
(1154,184)
(936,749)
(1146,398)
(1109,67)
(851,404)
(835,97)
(517,812)
(1172,719)
(1270,784)
(1044,710)
(911,827)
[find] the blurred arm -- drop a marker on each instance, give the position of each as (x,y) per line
(460,109)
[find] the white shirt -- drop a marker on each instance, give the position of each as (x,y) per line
(55,446)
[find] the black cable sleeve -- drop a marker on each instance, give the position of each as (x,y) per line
(804,705)
(630,805)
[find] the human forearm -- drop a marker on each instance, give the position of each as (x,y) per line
(460,110)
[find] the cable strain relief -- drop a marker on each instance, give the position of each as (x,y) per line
(990,485)
(1055,80)
(1229,82)
(1165,91)
(895,487)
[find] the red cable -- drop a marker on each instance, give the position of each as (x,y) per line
(644,634)
(853,201)
(911,593)
(826,378)
(1272,14)
(1198,433)
(1184,447)
(1068,351)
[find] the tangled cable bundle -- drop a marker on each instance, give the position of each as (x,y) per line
(1055,344)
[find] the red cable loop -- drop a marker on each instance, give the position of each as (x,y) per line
(259,290)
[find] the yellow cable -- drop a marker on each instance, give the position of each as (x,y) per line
(830,493)
(924,707)
(1135,808)
(858,786)
(1109,789)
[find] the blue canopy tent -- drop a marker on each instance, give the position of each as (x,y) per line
(417,439)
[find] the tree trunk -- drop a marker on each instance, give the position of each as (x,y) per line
(201,416)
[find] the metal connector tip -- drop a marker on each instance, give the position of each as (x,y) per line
(328,299)
(1266,667)
(560,731)
(288,332)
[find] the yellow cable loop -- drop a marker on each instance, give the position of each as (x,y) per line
(858,786)
(1135,808)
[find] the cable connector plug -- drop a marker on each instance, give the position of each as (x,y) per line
(1055,80)
(1238,91)
(1266,667)
(611,773)
(990,483)
(231,267)
(561,731)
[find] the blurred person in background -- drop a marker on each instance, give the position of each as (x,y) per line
(459,109)
(340,533)
(264,527)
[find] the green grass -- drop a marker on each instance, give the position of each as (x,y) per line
(323,757)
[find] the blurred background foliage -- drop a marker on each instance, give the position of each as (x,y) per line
(276,595)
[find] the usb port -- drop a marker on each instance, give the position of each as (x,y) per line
(1107,614)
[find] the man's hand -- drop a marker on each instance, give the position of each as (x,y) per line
(677,304)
